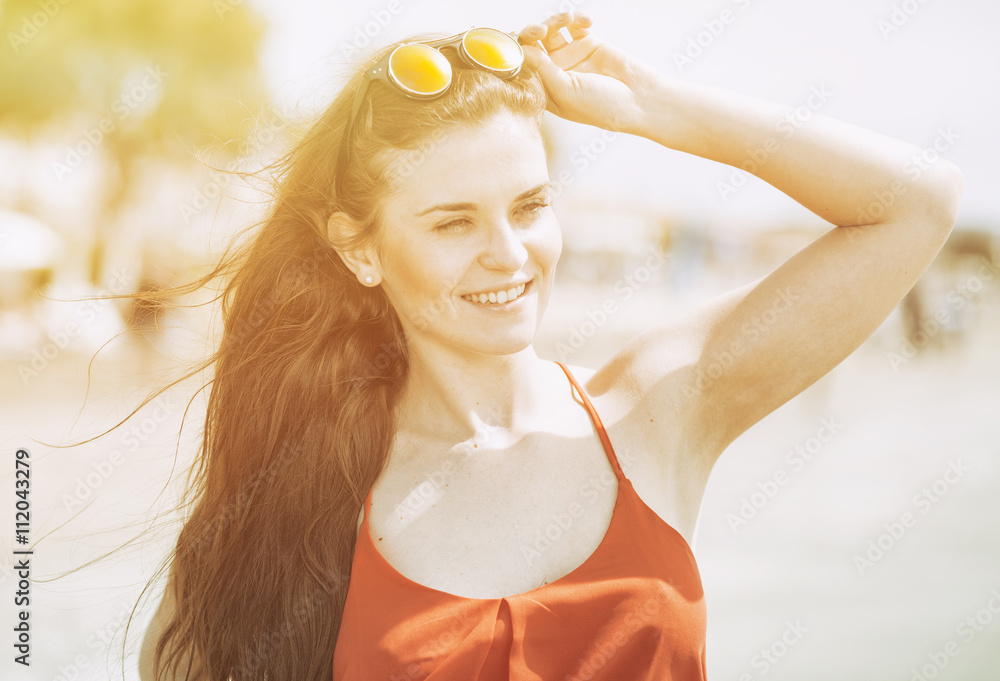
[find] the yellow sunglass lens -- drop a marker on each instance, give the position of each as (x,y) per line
(493,49)
(420,69)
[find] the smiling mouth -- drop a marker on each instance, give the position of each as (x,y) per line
(498,297)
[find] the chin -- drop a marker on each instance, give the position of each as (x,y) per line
(498,345)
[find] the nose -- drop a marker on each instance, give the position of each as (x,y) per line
(504,249)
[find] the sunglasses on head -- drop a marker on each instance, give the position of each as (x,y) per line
(421,71)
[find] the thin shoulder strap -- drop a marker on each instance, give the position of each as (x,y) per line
(596,420)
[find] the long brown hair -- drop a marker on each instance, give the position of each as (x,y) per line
(299,419)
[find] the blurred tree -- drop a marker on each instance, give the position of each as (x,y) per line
(133,80)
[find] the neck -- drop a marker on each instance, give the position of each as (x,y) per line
(490,400)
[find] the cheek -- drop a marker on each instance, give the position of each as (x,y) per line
(420,278)
(412,267)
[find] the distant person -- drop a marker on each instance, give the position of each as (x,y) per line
(393,484)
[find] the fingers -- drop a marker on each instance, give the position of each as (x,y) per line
(548,32)
(579,26)
(530,34)
(553,39)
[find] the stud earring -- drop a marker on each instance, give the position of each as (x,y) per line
(369,279)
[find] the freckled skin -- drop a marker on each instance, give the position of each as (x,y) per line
(501,239)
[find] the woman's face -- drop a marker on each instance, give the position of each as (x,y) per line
(472,216)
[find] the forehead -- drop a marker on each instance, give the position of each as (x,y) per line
(502,156)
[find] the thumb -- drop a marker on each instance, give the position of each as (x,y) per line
(553,77)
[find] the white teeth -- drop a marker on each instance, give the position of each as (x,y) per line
(498,297)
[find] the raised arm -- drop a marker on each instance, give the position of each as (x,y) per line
(846,175)
(894,205)
(722,368)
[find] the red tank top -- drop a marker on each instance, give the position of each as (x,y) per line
(633,610)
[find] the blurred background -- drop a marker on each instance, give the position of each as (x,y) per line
(121,121)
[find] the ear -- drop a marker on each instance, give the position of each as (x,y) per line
(341,229)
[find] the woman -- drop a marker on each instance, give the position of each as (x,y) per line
(383,447)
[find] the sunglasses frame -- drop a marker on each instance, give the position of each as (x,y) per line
(381,72)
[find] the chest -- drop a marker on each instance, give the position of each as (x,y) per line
(501,523)
(511,519)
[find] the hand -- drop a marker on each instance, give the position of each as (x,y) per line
(587,80)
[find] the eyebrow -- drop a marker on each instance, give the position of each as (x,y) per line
(472,206)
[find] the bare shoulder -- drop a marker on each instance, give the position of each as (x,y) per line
(644,392)
(667,380)
(664,424)
(619,395)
